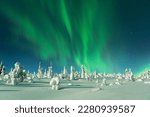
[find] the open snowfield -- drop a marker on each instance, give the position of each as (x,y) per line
(79,89)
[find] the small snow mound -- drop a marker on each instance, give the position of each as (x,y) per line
(117,83)
(139,80)
(69,84)
(110,84)
(147,82)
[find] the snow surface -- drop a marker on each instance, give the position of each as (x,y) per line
(78,90)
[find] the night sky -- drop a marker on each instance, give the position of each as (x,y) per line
(104,35)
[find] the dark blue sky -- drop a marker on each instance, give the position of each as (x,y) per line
(128,45)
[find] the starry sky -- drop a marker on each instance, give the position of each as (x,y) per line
(104,35)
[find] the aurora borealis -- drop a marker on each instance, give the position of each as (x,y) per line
(104,35)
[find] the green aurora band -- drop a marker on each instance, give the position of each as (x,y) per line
(69,30)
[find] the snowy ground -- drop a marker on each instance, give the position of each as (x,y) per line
(80,89)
